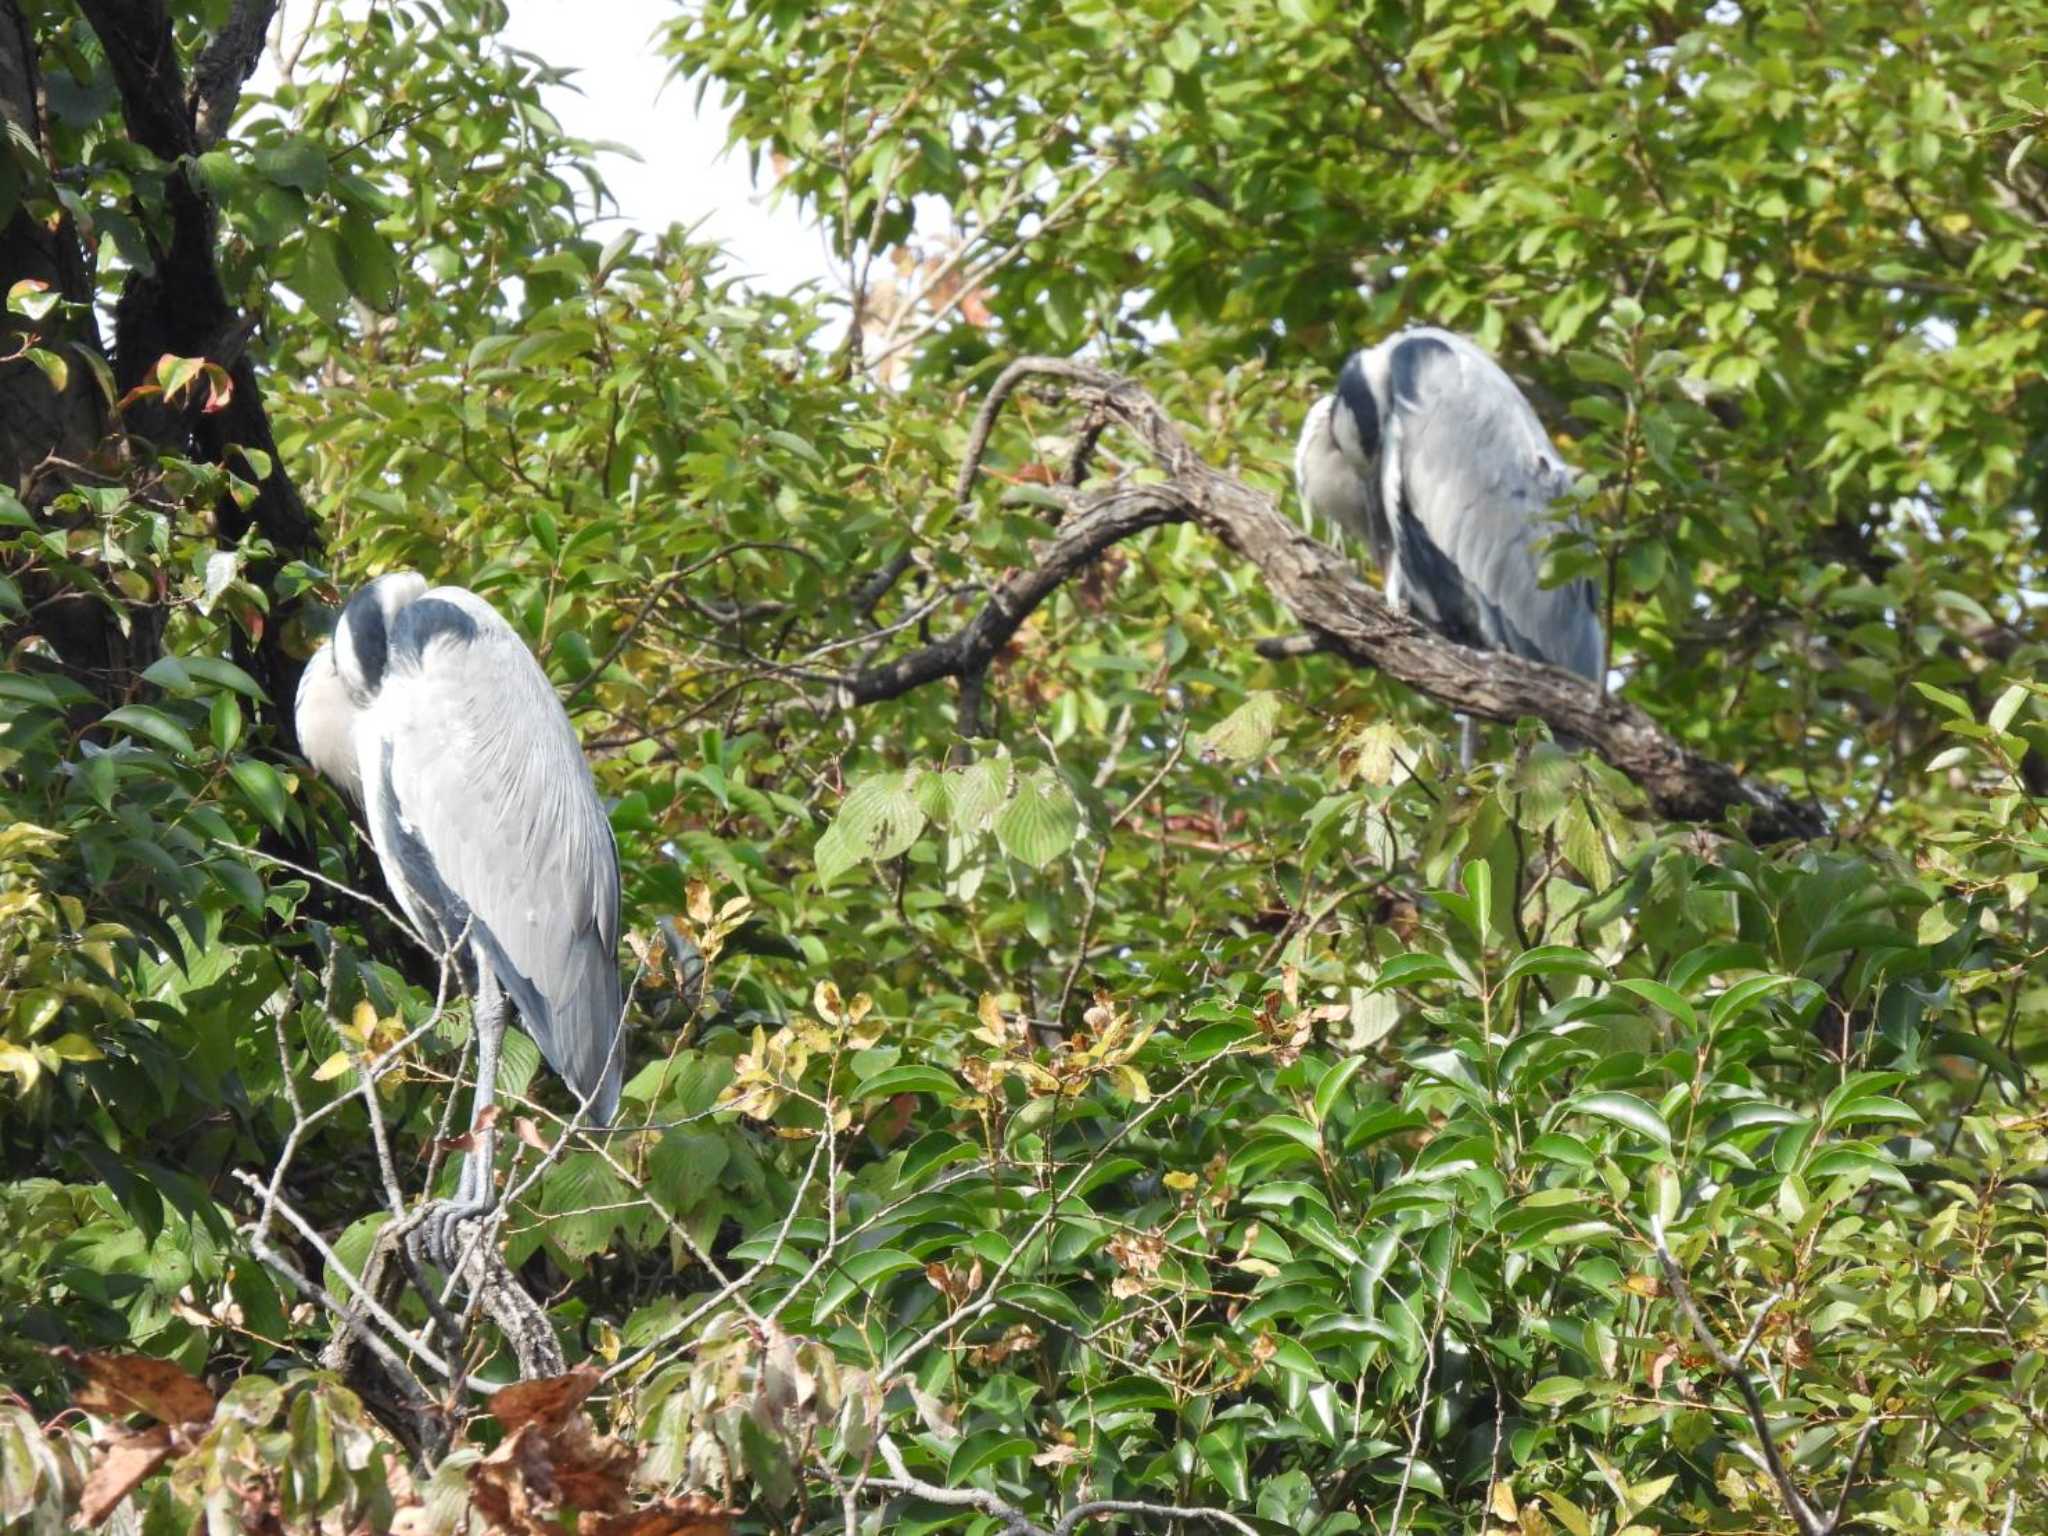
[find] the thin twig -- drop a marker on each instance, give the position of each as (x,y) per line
(1766,1455)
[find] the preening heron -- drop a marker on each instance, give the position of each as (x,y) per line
(433,715)
(1429,455)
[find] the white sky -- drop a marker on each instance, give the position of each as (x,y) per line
(622,94)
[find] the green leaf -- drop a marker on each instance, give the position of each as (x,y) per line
(1669,999)
(975,793)
(1738,998)
(294,162)
(367,263)
(265,790)
(913,1079)
(988,1448)
(33,298)
(142,720)
(1624,1109)
(1552,960)
(864,1274)
(1222,1451)
(225,674)
(1042,819)
(879,819)
(53,367)
(1406,970)
(1584,844)
(1333,1084)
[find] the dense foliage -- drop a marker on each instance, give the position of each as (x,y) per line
(1192,1091)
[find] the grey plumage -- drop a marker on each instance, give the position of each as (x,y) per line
(432,713)
(1430,456)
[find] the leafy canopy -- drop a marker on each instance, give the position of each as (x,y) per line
(1192,1092)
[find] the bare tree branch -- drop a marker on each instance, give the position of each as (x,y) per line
(1101,519)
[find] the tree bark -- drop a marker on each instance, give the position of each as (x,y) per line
(182,308)
(51,438)
(1340,613)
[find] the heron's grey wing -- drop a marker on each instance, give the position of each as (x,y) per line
(1470,476)
(491,791)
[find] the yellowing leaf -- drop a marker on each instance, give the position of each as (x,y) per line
(1246,732)
(1503,1502)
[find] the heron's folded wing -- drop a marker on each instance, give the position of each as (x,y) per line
(1474,475)
(491,784)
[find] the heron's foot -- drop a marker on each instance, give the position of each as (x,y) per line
(445,1233)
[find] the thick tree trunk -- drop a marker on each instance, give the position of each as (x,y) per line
(50,438)
(53,439)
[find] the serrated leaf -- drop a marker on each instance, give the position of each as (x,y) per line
(1042,819)
(1583,844)
(975,793)
(1246,732)
(879,819)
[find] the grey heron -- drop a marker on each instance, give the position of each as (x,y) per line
(429,710)
(1429,455)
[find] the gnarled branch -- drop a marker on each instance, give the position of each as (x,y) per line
(1340,613)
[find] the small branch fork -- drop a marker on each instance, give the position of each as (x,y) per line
(1734,1366)
(1320,586)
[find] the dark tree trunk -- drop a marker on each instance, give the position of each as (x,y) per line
(50,439)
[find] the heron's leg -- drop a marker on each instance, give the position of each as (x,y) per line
(1468,742)
(473,1192)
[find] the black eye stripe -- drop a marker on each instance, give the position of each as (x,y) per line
(1354,394)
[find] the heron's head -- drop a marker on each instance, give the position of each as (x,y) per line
(362,640)
(1329,482)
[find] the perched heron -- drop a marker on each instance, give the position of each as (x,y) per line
(1429,455)
(432,714)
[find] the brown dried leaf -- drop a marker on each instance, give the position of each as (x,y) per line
(126,1461)
(546,1401)
(528,1131)
(514,1488)
(118,1385)
(591,1471)
(1660,1365)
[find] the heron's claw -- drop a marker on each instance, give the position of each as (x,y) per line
(443,1235)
